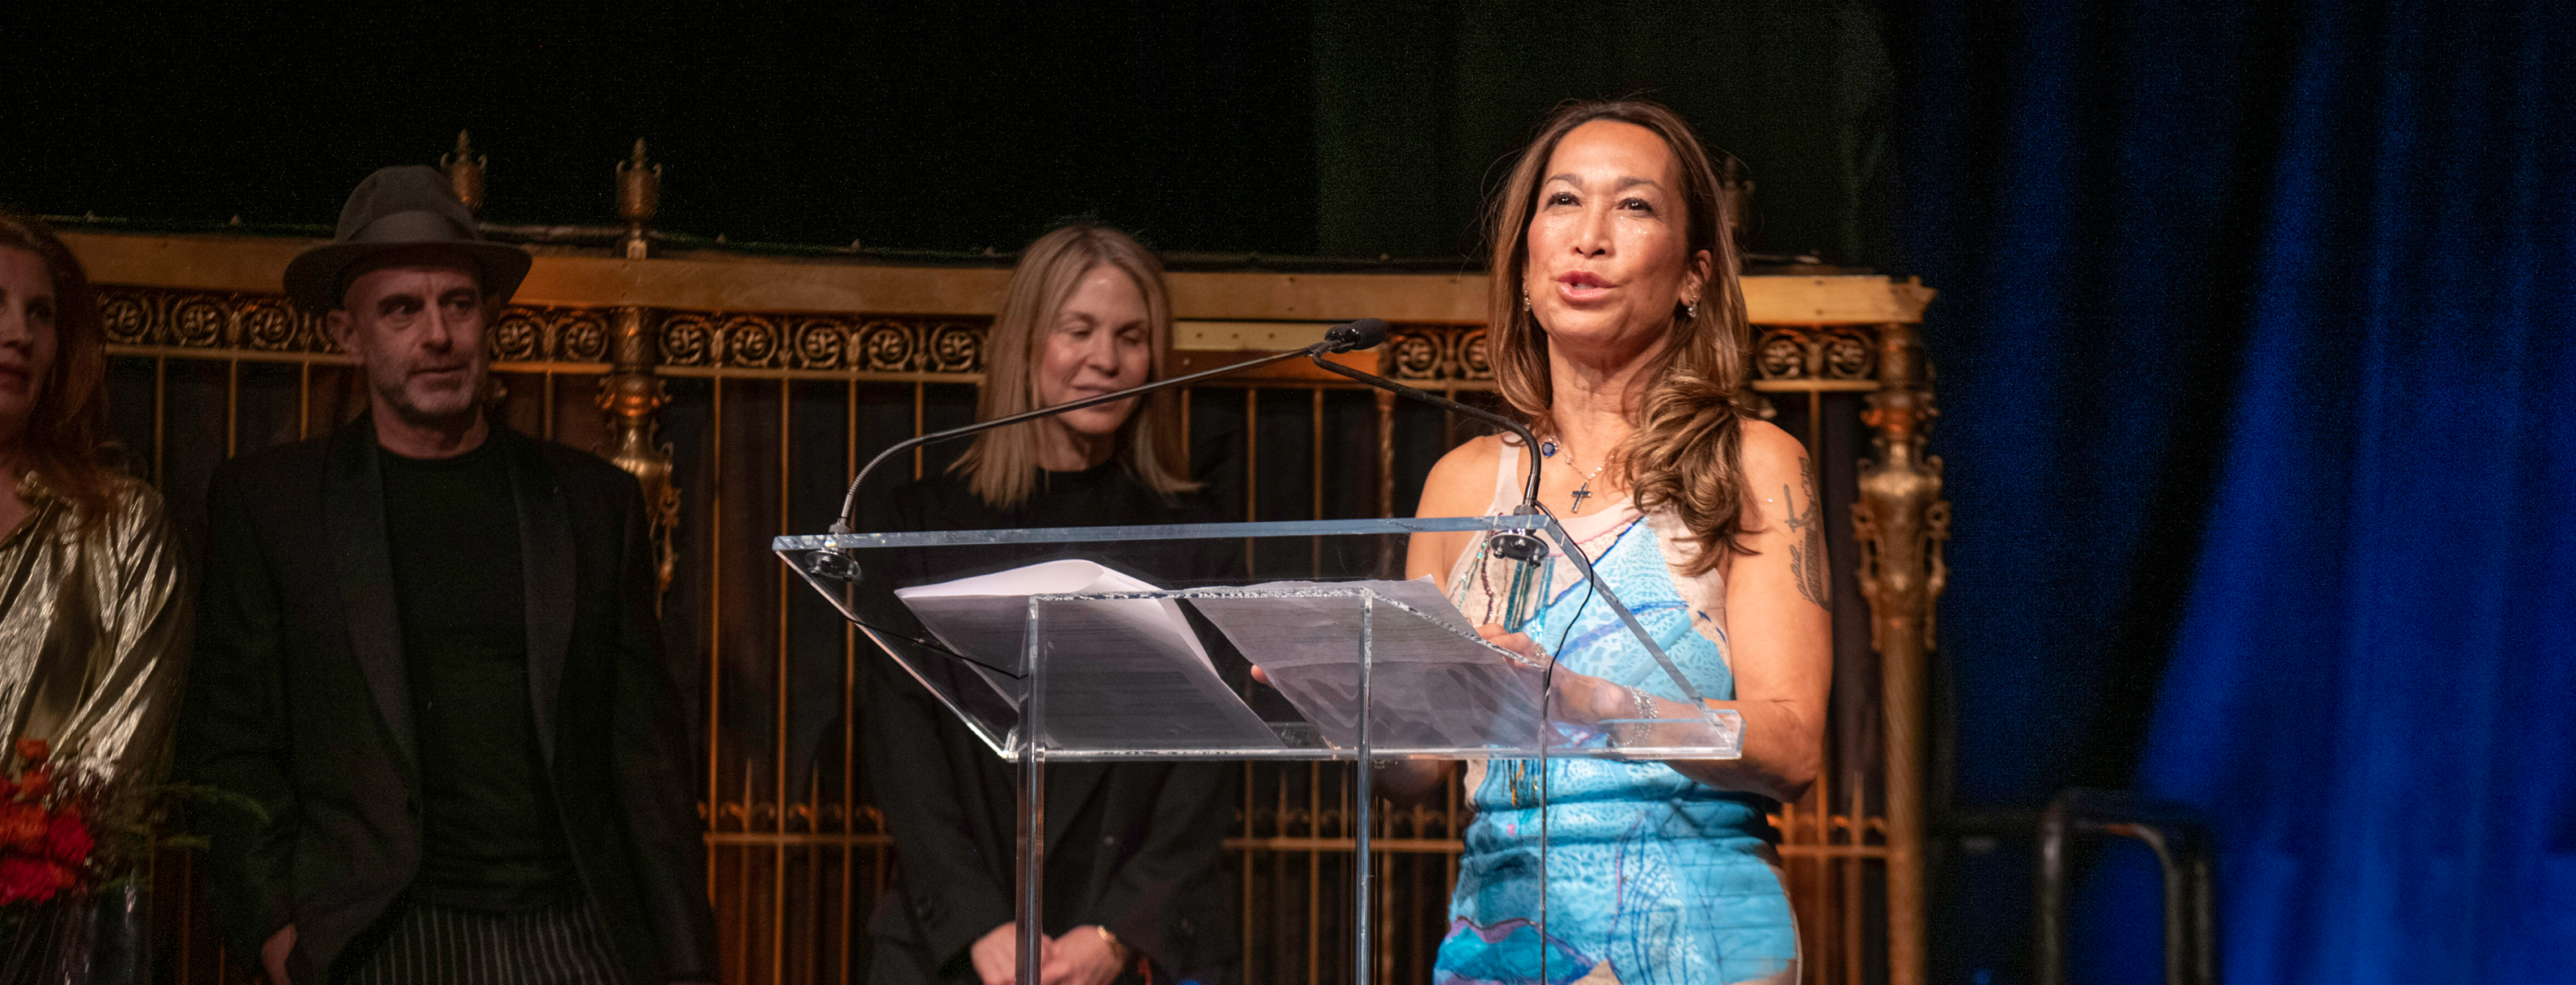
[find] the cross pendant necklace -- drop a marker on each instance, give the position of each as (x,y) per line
(1582,492)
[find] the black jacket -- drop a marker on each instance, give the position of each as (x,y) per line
(299,699)
(1134,847)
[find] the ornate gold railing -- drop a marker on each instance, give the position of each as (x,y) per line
(620,354)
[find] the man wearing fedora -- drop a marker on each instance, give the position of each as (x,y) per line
(429,652)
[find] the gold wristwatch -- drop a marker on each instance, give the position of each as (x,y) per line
(1116,946)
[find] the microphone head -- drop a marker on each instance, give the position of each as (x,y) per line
(1365,333)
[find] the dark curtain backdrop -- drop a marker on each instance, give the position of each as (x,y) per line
(2255,356)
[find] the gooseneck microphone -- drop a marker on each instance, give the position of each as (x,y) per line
(1516,545)
(1362,334)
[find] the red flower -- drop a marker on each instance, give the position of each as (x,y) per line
(22,826)
(67,840)
(23,878)
(33,750)
(35,784)
(7,789)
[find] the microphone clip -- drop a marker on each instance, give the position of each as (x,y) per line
(1518,545)
(831,564)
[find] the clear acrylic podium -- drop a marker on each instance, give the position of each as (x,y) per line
(1059,652)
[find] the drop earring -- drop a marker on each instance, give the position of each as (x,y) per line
(1690,310)
(1525,302)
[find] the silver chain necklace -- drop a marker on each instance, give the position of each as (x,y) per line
(1547,449)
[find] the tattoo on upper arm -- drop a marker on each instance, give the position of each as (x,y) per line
(1807,564)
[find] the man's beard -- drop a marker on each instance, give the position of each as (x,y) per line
(445,408)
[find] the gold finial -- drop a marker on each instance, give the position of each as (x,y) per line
(464,173)
(1735,185)
(639,196)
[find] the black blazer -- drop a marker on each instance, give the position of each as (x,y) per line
(1133,847)
(298,698)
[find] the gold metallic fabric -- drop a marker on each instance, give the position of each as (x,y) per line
(93,634)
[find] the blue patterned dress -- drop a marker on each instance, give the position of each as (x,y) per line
(1665,880)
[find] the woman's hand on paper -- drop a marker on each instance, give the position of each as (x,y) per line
(1580,698)
(1519,643)
(1588,700)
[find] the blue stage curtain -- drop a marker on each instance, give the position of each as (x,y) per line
(2258,364)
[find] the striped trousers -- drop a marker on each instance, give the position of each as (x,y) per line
(432,945)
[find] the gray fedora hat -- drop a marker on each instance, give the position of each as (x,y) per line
(397,207)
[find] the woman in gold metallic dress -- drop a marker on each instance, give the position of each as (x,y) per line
(93,624)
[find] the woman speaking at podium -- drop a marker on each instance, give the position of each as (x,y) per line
(1618,333)
(1133,890)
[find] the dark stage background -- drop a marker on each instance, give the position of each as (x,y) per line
(2254,371)
(1342,127)
(2254,346)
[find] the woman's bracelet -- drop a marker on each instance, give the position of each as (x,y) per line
(1645,706)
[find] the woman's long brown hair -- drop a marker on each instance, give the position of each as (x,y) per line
(1689,423)
(1002,465)
(64,442)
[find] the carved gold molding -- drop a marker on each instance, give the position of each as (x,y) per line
(1436,354)
(267,324)
(204,320)
(1814,352)
(703,281)
(855,343)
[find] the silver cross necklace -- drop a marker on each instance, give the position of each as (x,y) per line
(1547,449)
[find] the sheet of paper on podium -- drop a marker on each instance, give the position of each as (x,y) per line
(1434,683)
(1119,672)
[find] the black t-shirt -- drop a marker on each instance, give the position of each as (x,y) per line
(490,838)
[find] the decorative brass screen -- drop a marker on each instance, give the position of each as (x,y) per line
(747,424)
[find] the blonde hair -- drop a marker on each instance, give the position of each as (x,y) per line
(1002,465)
(1683,454)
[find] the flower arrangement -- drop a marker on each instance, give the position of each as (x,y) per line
(46,842)
(72,842)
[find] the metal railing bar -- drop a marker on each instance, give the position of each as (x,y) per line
(787,373)
(742,863)
(1251,469)
(232,407)
(1297,843)
(1314,873)
(1178,531)
(1249,894)
(715,621)
(778,751)
(160,419)
(849,696)
(1315,469)
(1813,386)
(1833,851)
